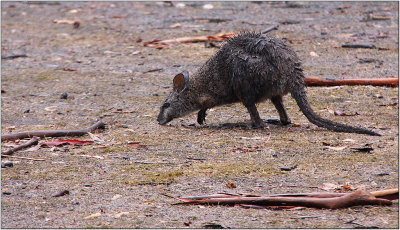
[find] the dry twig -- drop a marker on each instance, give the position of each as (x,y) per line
(53,133)
(31,142)
(25,158)
(317,81)
(316,200)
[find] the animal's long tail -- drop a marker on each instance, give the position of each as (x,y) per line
(302,102)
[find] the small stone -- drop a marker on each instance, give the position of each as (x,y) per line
(180,5)
(27,111)
(383,174)
(87,185)
(126,157)
(208,6)
(76,25)
(7,164)
(64,95)
(62,193)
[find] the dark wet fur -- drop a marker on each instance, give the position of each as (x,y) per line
(248,68)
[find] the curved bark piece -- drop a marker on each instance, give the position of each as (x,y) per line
(360,197)
(317,81)
(53,133)
(31,142)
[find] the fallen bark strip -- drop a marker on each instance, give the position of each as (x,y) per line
(25,158)
(359,197)
(31,142)
(359,46)
(274,27)
(14,56)
(317,81)
(53,133)
(389,194)
(159,44)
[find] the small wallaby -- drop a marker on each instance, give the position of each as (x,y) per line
(249,68)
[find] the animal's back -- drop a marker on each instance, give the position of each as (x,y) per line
(259,65)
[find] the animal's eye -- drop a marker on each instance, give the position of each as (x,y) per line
(166,105)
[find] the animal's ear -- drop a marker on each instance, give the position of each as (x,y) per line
(181,81)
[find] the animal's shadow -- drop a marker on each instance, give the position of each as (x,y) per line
(239,125)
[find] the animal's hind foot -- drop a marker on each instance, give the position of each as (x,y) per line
(259,125)
(276,121)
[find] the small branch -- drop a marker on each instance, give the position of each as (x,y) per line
(359,197)
(53,133)
(389,194)
(269,136)
(362,46)
(13,56)
(31,142)
(160,44)
(317,81)
(156,163)
(26,158)
(274,27)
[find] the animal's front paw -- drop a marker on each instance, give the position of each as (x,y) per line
(201,116)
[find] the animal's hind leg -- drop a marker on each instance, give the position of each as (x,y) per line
(277,101)
(255,117)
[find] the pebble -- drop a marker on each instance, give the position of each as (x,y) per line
(62,193)
(64,96)
(180,5)
(7,164)
(208,6)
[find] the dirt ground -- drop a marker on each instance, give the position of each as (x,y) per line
(119,181)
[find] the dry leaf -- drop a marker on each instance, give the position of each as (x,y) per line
(93,215)
(136,52)
(98,157)
(377,17)
(344,35)
(64,21)
(65,142)
(338,148)
(51,108)
(116,196)
(349,140)
(137,145)
(34,148)
(346,187)
(118,215)
(329,186)
(231,184)
(96,138)
(176,25)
